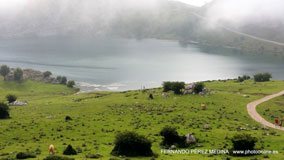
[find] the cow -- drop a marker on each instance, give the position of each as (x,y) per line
(51,149)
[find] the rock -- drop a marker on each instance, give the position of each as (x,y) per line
(173,147)
(206,126)
(18,103)
(190,139)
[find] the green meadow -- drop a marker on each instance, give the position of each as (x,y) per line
(272,109)
(98,117)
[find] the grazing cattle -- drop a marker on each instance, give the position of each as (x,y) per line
(51,149)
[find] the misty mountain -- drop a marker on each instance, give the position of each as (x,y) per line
(210,25)
(263,18)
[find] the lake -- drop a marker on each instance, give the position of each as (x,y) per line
(124,64)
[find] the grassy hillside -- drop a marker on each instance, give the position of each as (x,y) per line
(97,117)
(271,109)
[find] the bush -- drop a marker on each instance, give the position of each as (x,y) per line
(70,151)
(243,78)
(18,74)
(68,118)
(131,144)
(151,96)
(61,79)
(177,87)
(4,70)
(47,74)
(22,155)
(70,84)
(58,78)
(262,77)
(94,156)
(198,87)
(167,86)
(243,142)
(11,98)
(4,111)
(170,135)
(53,157)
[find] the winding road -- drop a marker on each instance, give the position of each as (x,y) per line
(251,108)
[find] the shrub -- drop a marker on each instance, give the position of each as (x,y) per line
(4,70)
(70,84)
(22,155)
(262,77)
(243,142)
(167,86)
(18,74)
(4,111)
(170,135)
(58,78)
(63,80)
(70,151)
(11,98)
(131,144)
(94,156)
(198,87)
(47,74)
(151,96)
(68,118)
(53,157)
(243,78)
(177,87)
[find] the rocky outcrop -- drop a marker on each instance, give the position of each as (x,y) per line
(30,74)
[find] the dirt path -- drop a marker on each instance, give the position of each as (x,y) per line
(251,108)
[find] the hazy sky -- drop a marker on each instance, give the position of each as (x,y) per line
(15,4)
(195,2)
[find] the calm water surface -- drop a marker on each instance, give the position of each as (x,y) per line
(122,64)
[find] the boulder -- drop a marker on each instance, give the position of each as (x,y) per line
(18,103)
(190,139)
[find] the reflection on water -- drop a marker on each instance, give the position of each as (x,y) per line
(122,64)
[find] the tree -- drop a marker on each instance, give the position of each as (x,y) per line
(61,79)
(70,84)
(4,111)
(58,78)
(11,98)
(70,151)
(243,78)
(177,87)
(47,74)
(131,144)
(243,142)
(198,87)
(167,86)
(4,70)
(262,77)
(18,74)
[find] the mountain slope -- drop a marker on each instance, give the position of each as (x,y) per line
(154,19)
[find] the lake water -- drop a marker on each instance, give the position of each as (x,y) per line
(123,64)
